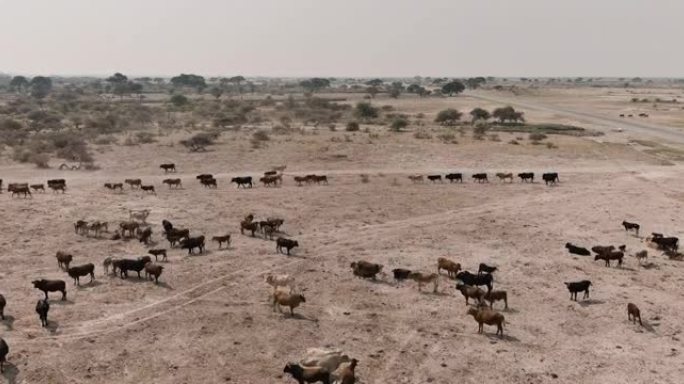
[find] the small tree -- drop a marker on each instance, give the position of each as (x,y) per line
(372,91)
(366,111)
(190,81)
(237,80)
(217,92)
(475,82)
(178,101)
(508,113)
(480,114)
(448,117)
(40,87)
(314,84)
(453,87)
(374,83)
(19,83)
(399,123)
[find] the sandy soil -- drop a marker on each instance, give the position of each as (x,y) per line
(210,321)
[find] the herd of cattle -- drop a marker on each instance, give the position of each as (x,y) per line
(56,185)
(271,178)
(549,178)
(323,368)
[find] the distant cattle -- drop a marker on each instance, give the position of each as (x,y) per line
(550,178)
(208,182)
(170,167)
(300,179)
(505,176)
(148,188)
(37,187)
(57,185)
(204,176)
(271,180)
(191,243)
(480,177)
(242,181)
(173,183)
(416,178)
(454,177)
(434,178)
(631,226)
(526,177)
(134,183)
(19,189)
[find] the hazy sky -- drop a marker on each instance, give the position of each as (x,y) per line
(344,37)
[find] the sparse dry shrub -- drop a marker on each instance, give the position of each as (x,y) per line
(536,136)
(261,135)
(422,135)
(364,178)
(41,160)
(200,141)
(551,145)
(447,137)
(106,140)
(514,142)
(145,137)
(352,126)
(494,137)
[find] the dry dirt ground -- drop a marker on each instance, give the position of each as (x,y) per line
(210,321)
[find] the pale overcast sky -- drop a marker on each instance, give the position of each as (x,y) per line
(343,37)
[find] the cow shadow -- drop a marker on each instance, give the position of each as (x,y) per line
(9,322)
(11,373)
(94,283)
(164,285)
(647,326)
(52,326)
(495,337)
(588,302)
(298,316)
(135,280)
(295,255)
(60,302)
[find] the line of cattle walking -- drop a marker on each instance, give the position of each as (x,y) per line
(525,177)
(56,185)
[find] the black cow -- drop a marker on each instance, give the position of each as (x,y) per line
(550,178)
(526,177)
(401,274)
(631,226)
(481,178)
(51,286)
(42,308)
(170,167)
(434,178)
(454,177)
(578,286)
(136,265)
(577,250)
(242,181)
(485,268)
(470,279)
(191,243)
(82,270)
(667,243)
(288,244)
